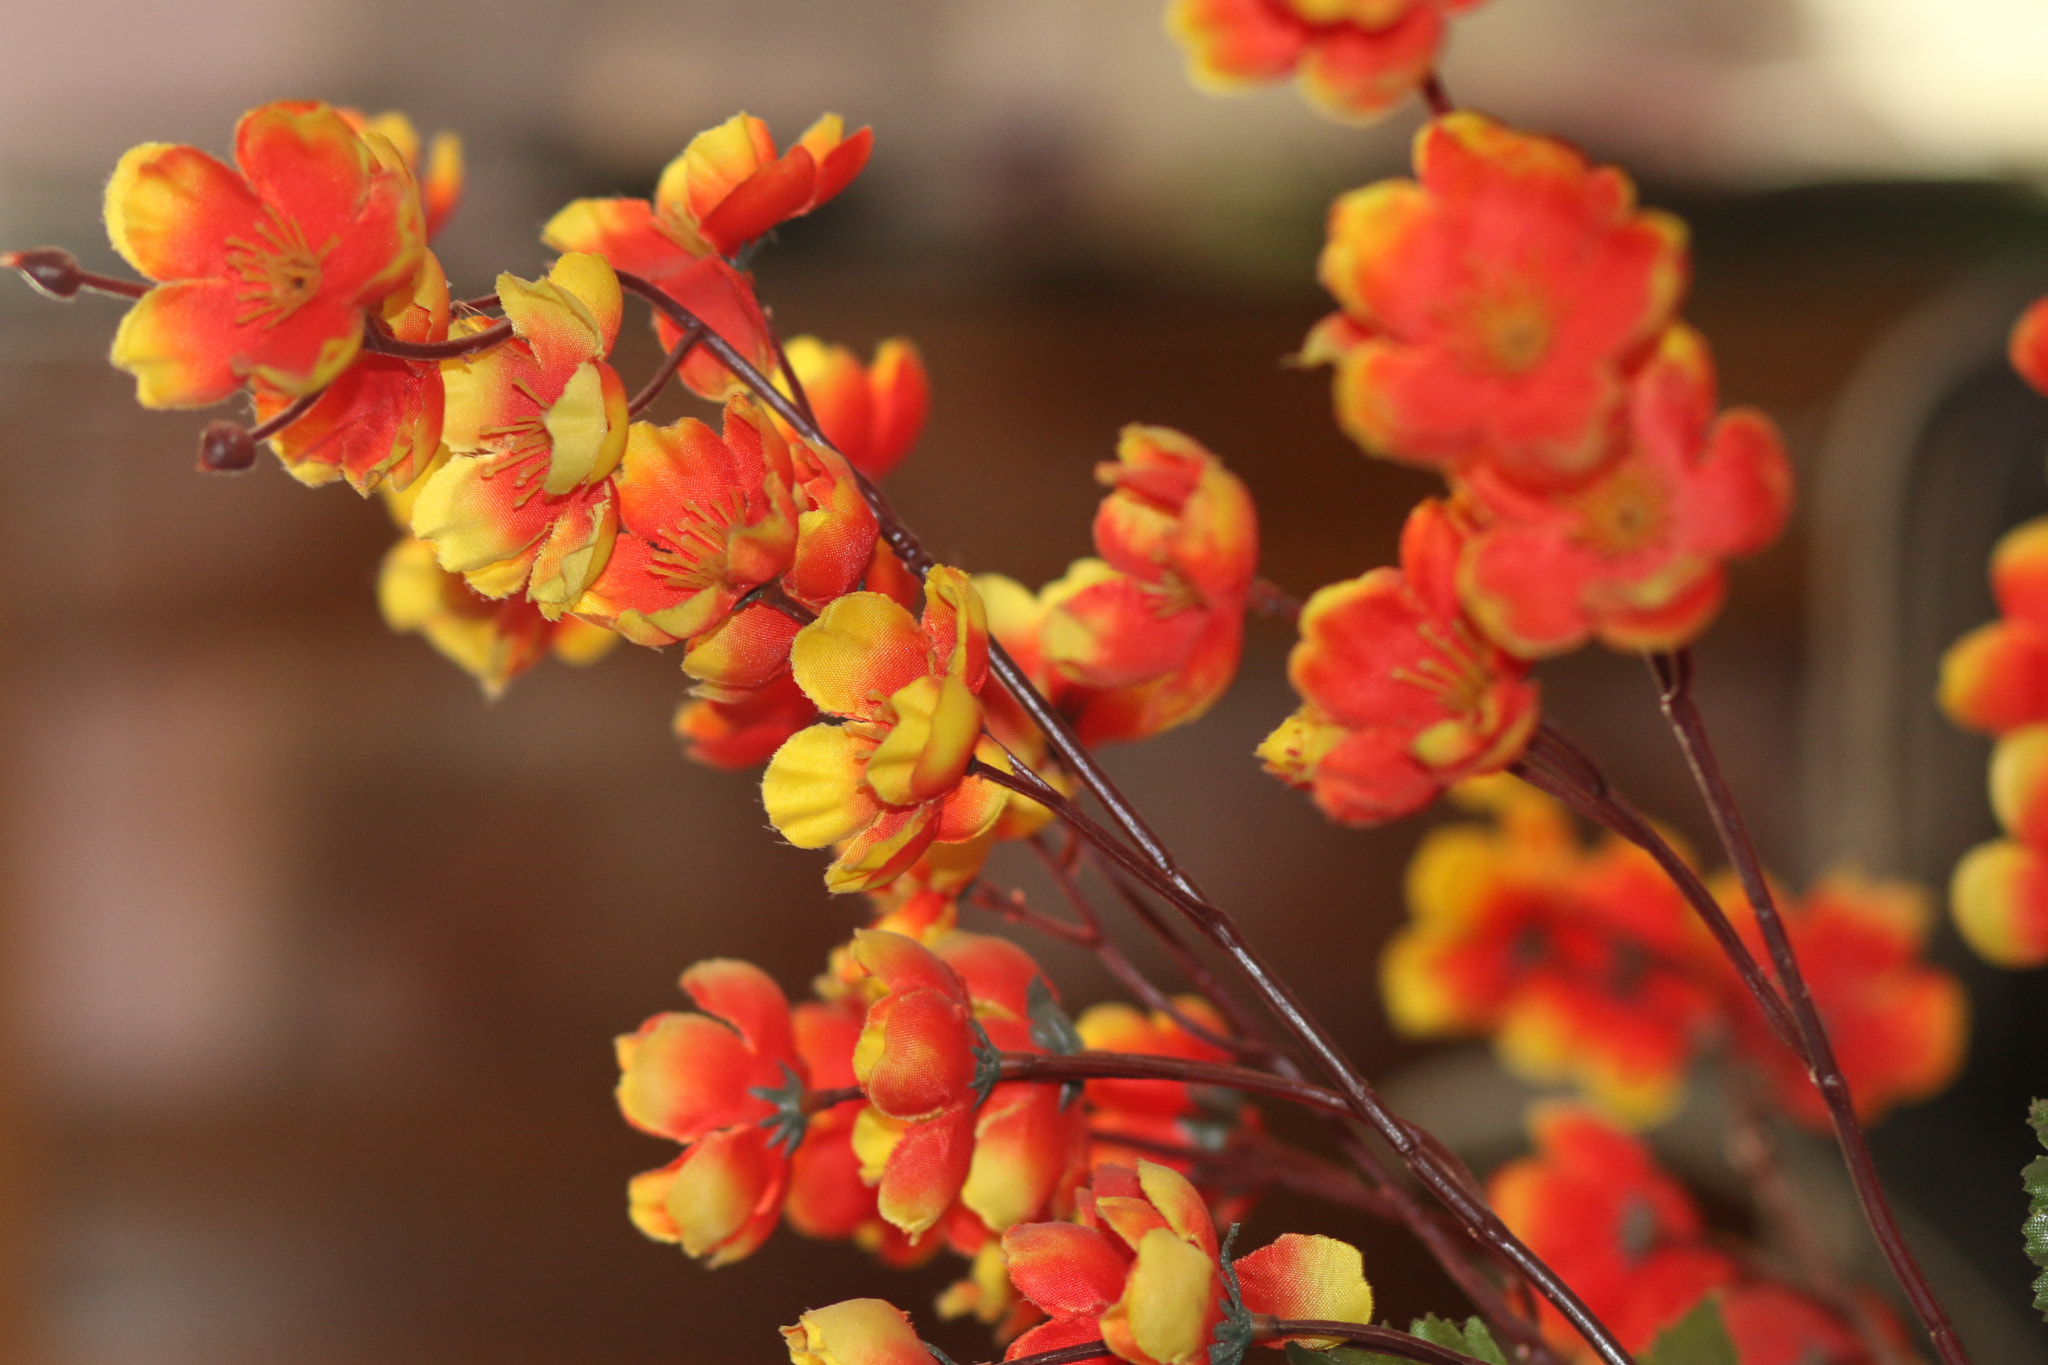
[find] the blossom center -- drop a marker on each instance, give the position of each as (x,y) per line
(280,272)
(1624,514)
(1515,334)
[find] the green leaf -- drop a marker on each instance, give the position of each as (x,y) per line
(2035,1229)
(1473,1338)
(1051,1027)
(1699,1338)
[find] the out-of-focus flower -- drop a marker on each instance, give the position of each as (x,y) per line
(1578,963)
(1995,678)
(872,414)
(747,730)
(267,272)
(1402,695)
(1356,58)
(379,423)
(1899,1025)
(1141,1270)
(492,641)
(1998,896)
(856,1332)
(893,777)
(703,1080)
(2029,346)
(1491,308)
(1637,554)
(441,182)
(1629,1240)
(536,425)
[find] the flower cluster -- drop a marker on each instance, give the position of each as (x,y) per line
(1585,966)
(1994,680)
(1508,318)
(1593,1202)
(1355,59)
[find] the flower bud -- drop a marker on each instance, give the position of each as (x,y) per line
(50,269)
(226,448)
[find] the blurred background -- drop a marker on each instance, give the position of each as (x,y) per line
(310,959)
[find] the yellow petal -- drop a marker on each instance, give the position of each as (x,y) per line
(926,752)
(812,788)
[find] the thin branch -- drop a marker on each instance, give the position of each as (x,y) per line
(1383,1339)
(1156,866)
(377,341)
(1674,676)
(670,363)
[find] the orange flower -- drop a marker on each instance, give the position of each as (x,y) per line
(856,1332)
(537,425)
(1356,58)
(702,522)
(893,778)
(1141,1270)
(492,641)
(1149,634)
(746,730)
(1492,306)
(267,273)
(1623,1234)
(1577,962)
(928,1136)
(1995,678)
(1998,897)
(1630,1241)
(1899,1025)
(1403,696)
(871,414)
(2029,346)
(441,186)
(727,188)
(379,423)
(1636,555)
(705,1081)
(1161,1111)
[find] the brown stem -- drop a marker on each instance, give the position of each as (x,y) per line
(1136,1066)
(1552,763)
(1065,1355)
(1435,96)
(1674,675)
(1270,599)
(796,386)
(1156,867)
(380,342)
(56,272)
(1385,1340)
(670,363)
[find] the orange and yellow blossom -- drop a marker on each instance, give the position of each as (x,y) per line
(703,520)
(2028,348)
(891,778)
(1630,1241)
(928,1139)
(265,272)
(1148,635)
(1402,694)
(536,427)
(1141,1269)
(871,414)
(1577,962)
(700,1079)
(1995,678)
(726,188)
(1491,308)
(856,1332)
(379,424)
(492,640)
(441,185)
(1355,58)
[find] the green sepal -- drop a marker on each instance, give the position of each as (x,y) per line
(2035,1229)
(1699,1338)
(988,1064)
(1052,1028)
(1233,1335)
(789,1121)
